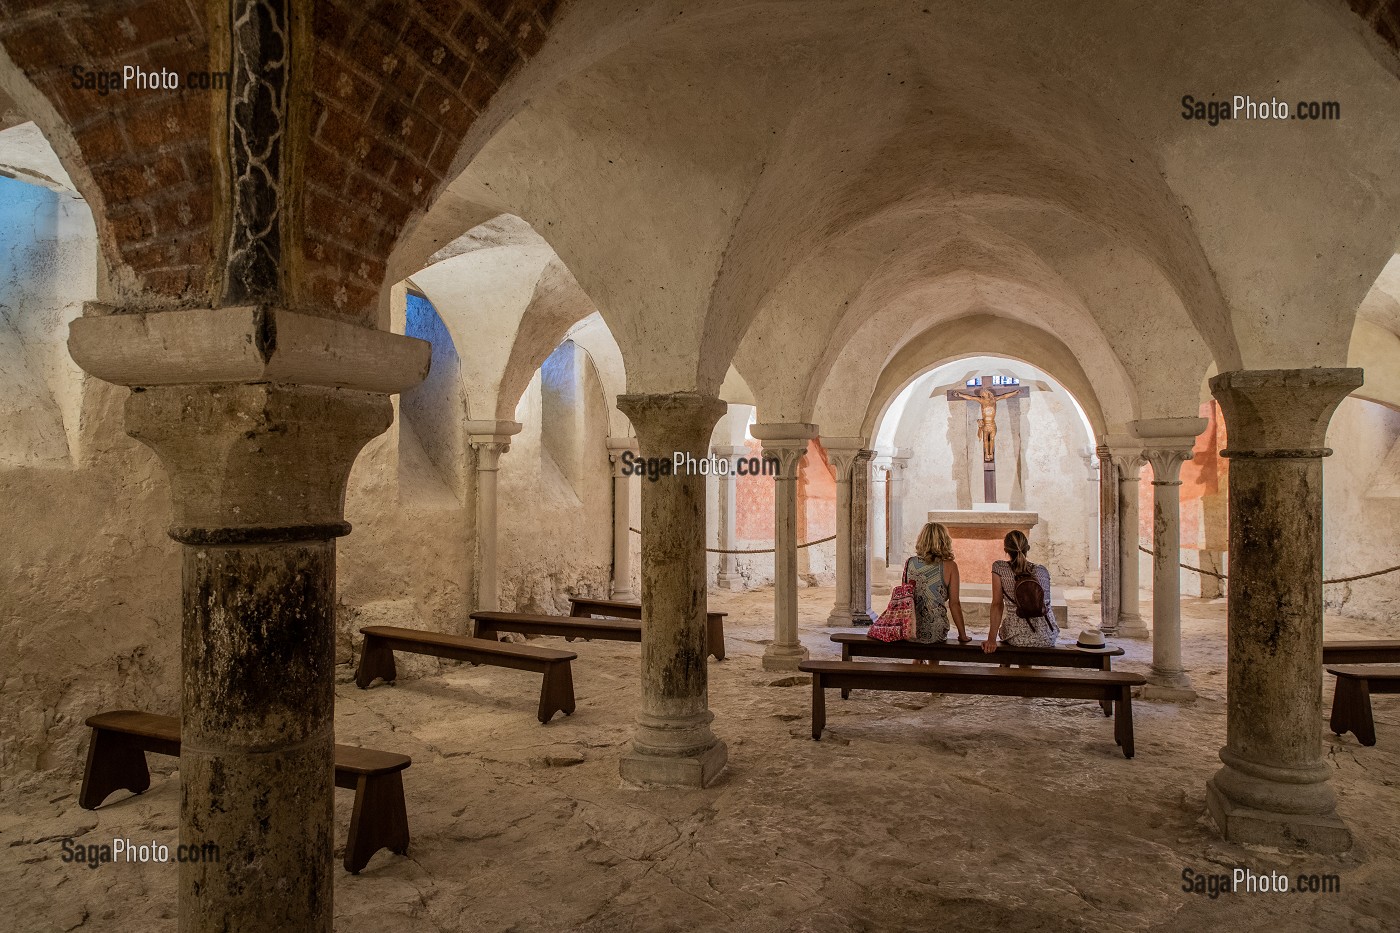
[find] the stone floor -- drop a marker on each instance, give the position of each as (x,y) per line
(915,813)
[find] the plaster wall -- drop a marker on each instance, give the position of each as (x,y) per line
(1361,509)
(555,508)
(48,267)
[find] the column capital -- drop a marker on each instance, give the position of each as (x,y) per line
(788,452)
(669,422)
(1166,464)
(257,463)
(1281,413)
(729,450)
(617,446)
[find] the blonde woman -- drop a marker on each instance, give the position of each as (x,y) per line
(1010,579)
(935,577)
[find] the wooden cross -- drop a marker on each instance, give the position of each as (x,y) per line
(985,394)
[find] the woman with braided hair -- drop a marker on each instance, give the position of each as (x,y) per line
(1023,616)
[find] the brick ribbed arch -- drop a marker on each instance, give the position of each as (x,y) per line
(389,88)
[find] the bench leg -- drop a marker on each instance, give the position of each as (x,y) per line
(714,635)
(376,660)
(557,691)
(1123,722)
(1351,710)
(379,820)
(112,764)
(487,631)
(845,656)
(818,707)
(1106,705)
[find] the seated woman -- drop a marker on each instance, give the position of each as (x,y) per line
(935,577)
(1037,632)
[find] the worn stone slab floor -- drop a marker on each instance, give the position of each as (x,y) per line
(914,813)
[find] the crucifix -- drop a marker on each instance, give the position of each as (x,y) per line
(986,398)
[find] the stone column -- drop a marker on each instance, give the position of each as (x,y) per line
(1273,789)
(842,453)
(1130,621)
(787,443)
(1092,578)
(622,517)
(258,437)
(1108,541)
(489,439)
(1168,679)
(899,463)
(673,743)
(726,485)
(879,517)
(860,539)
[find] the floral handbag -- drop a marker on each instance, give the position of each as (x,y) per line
(896,623)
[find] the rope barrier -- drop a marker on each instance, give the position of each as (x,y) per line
(1221,576)
(765,550)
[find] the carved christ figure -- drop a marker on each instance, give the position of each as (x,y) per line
(987,422)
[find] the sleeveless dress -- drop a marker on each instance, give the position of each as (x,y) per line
(930,601)
(1019,632)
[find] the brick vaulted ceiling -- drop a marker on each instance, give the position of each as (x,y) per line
(391,90)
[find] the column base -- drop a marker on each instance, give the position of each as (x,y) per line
(839,618)
(625,595)
(783,657)
(697,769)
(1168,686)
(1131,627)
(861,619)
(1321,833)
(729,581)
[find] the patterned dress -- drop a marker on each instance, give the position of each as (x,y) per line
(1019,632)
(930,601)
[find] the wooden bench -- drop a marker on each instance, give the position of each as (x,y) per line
(581,606)
(1110,686)
(381,641)
(860,645)
(1351,703)
(1361,652)
(121,738)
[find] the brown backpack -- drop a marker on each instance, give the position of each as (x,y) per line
(1030,595)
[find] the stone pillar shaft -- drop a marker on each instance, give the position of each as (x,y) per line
(727,489)
(860,539)
(1273,788)
(1168,673)
(899,464)
(1130,621)
(842,460)
(1108,541)
(673,743)
(622,517)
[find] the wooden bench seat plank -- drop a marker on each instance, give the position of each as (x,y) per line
(116,761)
(1361,652)
(1351,702)
(1111,686)
(556,688)
(490,624)
(582,606)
